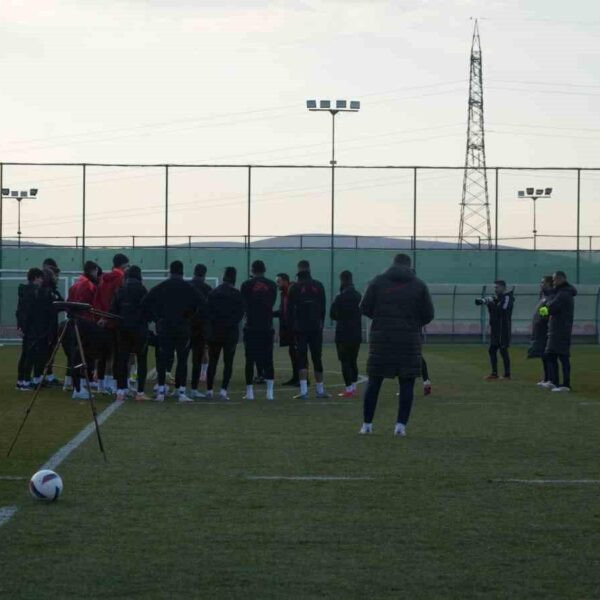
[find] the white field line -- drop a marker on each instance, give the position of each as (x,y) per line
(589,403)
(306,478)
(12,478)
(550,481)
(7,512)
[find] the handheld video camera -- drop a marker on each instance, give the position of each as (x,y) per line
(484,301)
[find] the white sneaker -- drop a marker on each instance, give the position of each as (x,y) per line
(197,394)
(223,395)
(400,430)
(209,394)
(183,398)
(562,388)
(160,397)
(68,383)
(121,395)
(541,383)
(82,394)
(366,429)
(548,385)
(270,395)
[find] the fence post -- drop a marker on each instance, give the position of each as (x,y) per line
(453,311)
(414,218)
(83,208)
(496,226)
(166,217)
(132,242)
(249,221)
(578,257)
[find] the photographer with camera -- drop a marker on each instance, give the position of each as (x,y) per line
(500,307)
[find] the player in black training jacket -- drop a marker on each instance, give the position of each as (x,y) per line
(259,295)
(500,307)
(226,310)
(345,310)
(306,312)
(200,324)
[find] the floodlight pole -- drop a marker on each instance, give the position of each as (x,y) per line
(332,240)
(19,222)
(534,198)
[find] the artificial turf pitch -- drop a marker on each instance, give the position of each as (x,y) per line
(181,510)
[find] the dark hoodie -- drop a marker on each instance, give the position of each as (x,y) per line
(345,310)
(539,326)
(34,310)
(399,304)
(306,304)
(127,303)
(200,325)
(500,310)
(560,321)
(226,310)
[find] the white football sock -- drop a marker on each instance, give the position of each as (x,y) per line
(182,390)
(353,386)
(161,389)
(250,392)
(320,388)
(50,377)
(36,380)
(270,384)
(223,393)
(303,387)
(350,388)
(203,369)
(68,380)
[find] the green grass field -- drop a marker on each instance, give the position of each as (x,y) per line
(176,512)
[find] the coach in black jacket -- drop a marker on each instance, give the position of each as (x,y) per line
(399,305)
(500,308)
(539,328)
(345,310)
(226,310)
(259,295)
(171,305)
(561,309)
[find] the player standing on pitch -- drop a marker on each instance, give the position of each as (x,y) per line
(539,330)
(286,336)
(199,332)
(307,310)
(399,305)
(259,295)
(345,310)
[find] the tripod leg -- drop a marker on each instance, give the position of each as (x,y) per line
(39,386)
(84,369)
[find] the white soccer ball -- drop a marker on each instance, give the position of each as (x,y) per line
(46,485)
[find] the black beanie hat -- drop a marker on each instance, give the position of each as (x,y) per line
(119,260)
(200,270)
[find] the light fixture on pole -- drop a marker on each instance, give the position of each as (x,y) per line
(533,194)
(19,196)
(328,106)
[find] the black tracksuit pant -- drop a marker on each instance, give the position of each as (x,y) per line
(407,390)
(226,344)
(258,345)
(34,356)
(132,342)
(198,344)
(553,371)
(313,341)
(348,355)
(493,352)
(170,344)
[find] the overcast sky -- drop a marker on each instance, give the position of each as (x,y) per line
(211,82)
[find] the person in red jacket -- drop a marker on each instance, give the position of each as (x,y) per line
(107,288)
(84,289)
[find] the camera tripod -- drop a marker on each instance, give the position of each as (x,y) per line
(74,311)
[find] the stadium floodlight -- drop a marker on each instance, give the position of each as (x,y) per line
(533,194)
(19,196)
(340,106)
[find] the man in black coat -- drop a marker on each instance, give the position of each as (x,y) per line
(307,311)
(259,295)
(199,332)
(286,335)
(345,310)
(539,329)
(132,332)
(51,275)
(171,305)
(560,309)
(226,310)
(500,308)
(399,305)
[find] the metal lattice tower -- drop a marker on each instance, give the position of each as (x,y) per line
(475,225)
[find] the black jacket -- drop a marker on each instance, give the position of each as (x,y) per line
(306,304)
(127,303)
(200,322)
(539,326)
(226,310)
(500,309)
(345,310)
(286,336)
(259,294)
(35,313)
(400,305)
(560,321)
(171,305)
